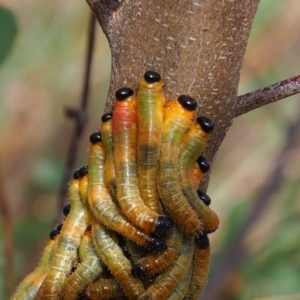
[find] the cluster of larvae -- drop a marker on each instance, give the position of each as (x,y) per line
(137,226)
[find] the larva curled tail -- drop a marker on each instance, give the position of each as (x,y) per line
(150,110)
(192,145)
(124,124)
(178,118)
(111,254)
(102,206)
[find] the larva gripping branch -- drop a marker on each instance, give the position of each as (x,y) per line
(118,239)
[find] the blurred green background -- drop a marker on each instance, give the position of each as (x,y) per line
(42,73)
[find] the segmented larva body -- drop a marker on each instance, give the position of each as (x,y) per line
(178,118)
(107,141)
(192,145)
(111,254)
(166,282)
(150,109)
(201,264)
(69,239)
(101,204)
(87,271)
(124,124)
(83,185)
(136,252)
(104,289)
(154,263)
(30,285)
(180,291)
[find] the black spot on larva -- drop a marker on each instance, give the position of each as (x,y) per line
(59,227)
(187,102)
(163,224)
(83,171)
(53,234)
(202,240)
(123,93)
(83,296)
(106,117)
(155,244)
(138,271)
(67,209)
(95,137)
(206,124)
(152,76)
(204,198)
(76,175)
(203,164)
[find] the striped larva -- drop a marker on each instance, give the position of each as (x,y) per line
(104,288)
(87,271)
(178,118)
(166,282)
(150,110)
(111,254)
(107,141)
(201,263)
(181,289)
(154,263)
(124,124)
(30,285)
(69,239)
(192,145)
(102,206)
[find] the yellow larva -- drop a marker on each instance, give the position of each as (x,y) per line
(28,288)
(154,263)
(178,118)
(104,289)
(150,110)
(124,124)
(192,145)
(69,239)
(87,271)
(102,206)
(111,254)
(166,282)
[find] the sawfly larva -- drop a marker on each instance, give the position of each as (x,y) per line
(178,118)
(112,255)
(124,124)
(192,145)
(150,110)
(102,206)
(104,289)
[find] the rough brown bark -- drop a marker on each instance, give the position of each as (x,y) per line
(196,45)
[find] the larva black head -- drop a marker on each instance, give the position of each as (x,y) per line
(152,76)
(67,209)
(59,227)
(106,117)
(95,137)
(204,198)
(53,234)
(138,271)
(83,171)
(83,296)
(187,102)
(206,124)
(123,93)
(204,165)
(202,240)
(163,224)
(155,244)
(76,174)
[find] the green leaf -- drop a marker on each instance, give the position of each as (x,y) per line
(8,32)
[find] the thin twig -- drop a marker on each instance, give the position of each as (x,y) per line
(266,95)
(80,118)
(236,251)
(6,220)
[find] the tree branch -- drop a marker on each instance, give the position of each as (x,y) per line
(266,95)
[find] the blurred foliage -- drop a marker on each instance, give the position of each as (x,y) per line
(43,74)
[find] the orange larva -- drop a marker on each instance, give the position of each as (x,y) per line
(104,289)
(150,110)
(102,206)
(192,145)
(112,255)
(178,118)
(87,271)
(124,123)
